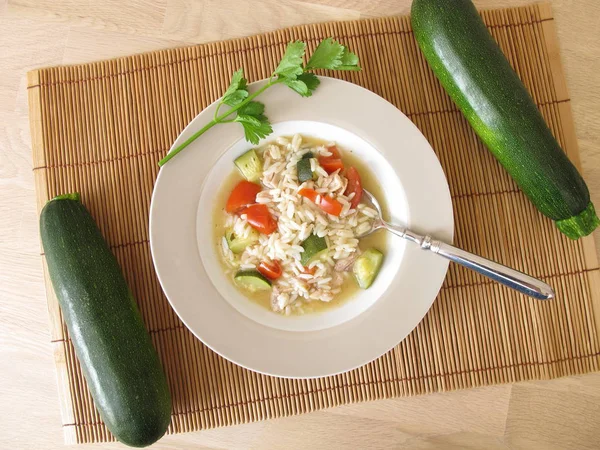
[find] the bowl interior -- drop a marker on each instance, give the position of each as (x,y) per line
(358,303)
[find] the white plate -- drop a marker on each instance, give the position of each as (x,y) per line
(312,345)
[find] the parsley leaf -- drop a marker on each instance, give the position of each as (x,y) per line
(234,85)
(304,84)
(349,61)
(332,55)
(256,124)
(252,109)
(296,85)
(290,65)
(237,90)
(255,127)
(236,98)
(311,81)
(328,55)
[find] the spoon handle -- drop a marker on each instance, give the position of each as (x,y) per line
(509,277)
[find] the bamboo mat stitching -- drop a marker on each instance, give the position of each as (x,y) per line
(364,384)
(445,287)
(161,151)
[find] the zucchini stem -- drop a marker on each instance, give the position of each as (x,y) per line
(580,225)
(72,196)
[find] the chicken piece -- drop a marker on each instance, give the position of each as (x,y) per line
(326,296)
(338,279)
(345,265)
(274,303)
(271,180)
(279,301)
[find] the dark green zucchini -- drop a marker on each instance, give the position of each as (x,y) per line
(121,367)
(474,71)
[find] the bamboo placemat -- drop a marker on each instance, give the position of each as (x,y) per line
(101,128)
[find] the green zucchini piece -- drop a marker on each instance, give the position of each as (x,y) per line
(238,244)
(250,165)
(474,71)
(366,267)
(314,247)
(305,173)
(308,155)
(122,368)
(252,280)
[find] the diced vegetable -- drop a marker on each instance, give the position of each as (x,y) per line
(272,270)
(330,165)
(250,165)
(259,217)
(308,155)
(243,194)
(330,205)
(305,172)
(335,153)
(310,194)
(314,246)
(238,244)
(252,280)
(354,186)
(366,267)
(327,203)
(310,270)
(332,162)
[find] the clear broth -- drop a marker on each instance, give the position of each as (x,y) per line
(349,287)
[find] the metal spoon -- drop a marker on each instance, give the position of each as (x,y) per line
(497,272)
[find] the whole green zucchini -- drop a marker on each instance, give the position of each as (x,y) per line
(121,367)
(474,71)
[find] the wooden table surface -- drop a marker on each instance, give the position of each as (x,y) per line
(557,414)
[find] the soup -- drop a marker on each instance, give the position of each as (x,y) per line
(287,225)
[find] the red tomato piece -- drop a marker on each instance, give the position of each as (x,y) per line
(310,270)
(328,204)
(330,165)
(259,218)
(271,270)
(243,194)
(310,194)
(354,185)
(332,162)
(335,153)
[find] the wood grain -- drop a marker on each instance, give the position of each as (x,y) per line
(556,414)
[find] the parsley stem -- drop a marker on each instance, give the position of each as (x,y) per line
(217,110)
(216,120)
(187,142)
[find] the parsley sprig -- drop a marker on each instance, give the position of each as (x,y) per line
(240,103)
